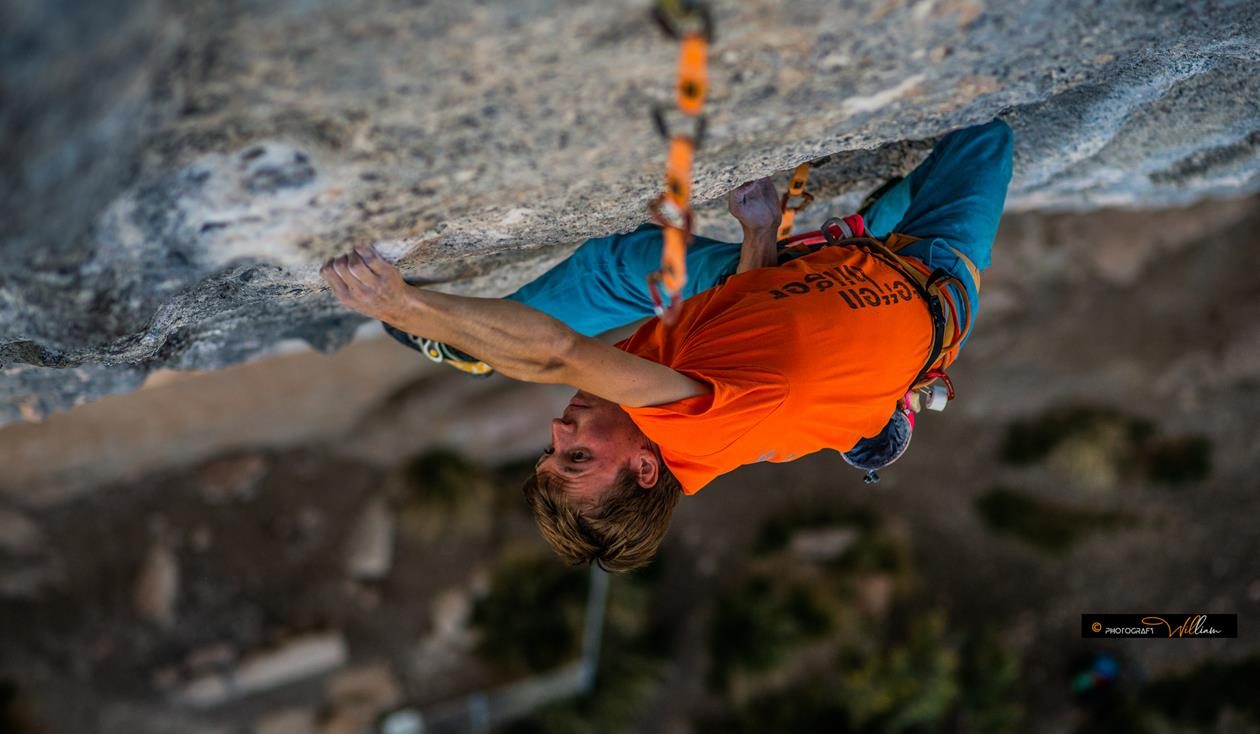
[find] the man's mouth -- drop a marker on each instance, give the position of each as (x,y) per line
(578,402)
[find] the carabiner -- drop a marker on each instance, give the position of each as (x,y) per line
(670,15)
(667,314)
(698,125)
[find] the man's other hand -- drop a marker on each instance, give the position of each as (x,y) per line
(756,205)
(365,282)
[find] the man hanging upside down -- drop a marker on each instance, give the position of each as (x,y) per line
(776,352)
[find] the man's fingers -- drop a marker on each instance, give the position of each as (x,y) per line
(326,272)
(374,260)
(334,281)
(370,259)
(341,266)
(330,276)
(344,268)
(360,270)
(756,189)
(340,290)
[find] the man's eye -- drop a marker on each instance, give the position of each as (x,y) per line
(578,456)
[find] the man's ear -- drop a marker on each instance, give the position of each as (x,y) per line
(647,468)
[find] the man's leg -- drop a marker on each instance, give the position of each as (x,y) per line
(603,284)
(953,199)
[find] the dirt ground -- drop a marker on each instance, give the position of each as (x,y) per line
(254,480)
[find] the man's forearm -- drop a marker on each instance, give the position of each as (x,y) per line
(759,250)
(521,342)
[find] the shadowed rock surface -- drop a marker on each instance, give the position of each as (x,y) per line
(175,172)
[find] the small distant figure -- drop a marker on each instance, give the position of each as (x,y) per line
(1095,679)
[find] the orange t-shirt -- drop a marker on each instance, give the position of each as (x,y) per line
(808,355)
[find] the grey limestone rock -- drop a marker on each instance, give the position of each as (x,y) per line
(369,551)
(156,588)
(175,171)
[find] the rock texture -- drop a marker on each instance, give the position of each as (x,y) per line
(175,172)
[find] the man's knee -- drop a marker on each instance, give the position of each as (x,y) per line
(994,140)
(998,130)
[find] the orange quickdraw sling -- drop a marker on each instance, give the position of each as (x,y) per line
(690,23)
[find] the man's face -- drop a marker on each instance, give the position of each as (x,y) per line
(591,442)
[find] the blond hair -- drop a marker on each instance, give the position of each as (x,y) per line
(622,531)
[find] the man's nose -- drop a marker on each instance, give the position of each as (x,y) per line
(560,427)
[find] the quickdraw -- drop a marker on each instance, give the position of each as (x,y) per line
(691,24)
(796,189)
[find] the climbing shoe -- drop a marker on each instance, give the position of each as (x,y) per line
(439,352)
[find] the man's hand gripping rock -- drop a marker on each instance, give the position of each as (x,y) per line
(756,205)
(365,282)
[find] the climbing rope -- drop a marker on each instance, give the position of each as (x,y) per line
(689,22)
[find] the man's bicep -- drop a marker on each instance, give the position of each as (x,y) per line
(604,370)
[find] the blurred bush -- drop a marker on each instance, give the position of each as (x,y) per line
(635,646)
(813,571)
(531,619)
(1198,696)
(1031,440)
(756,626)
(904,687)
(1098,447)
(793,647)
(1178,460)
(989,679)
(1050,527)
(442,491)
(934,680)
(789,647)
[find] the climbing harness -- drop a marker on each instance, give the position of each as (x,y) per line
(690,23)
(931,388)
(931,285)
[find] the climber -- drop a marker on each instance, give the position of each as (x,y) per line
(771,357)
